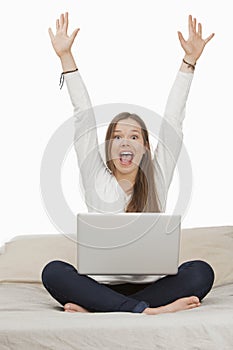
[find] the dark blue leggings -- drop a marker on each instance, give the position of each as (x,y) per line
(65,284)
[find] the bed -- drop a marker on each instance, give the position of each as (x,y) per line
(31,319)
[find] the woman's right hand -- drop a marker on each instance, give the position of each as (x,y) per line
(61,42)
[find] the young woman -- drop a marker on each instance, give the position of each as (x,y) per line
(130,182)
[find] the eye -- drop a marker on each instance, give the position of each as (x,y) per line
(135,137)
(117,137)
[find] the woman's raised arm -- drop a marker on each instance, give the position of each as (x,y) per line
(85,133)
(171,133)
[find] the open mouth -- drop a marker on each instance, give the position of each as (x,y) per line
(126,157)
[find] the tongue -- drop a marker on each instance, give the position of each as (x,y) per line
(126,159)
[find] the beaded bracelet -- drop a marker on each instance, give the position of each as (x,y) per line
(189,64)
(62,76)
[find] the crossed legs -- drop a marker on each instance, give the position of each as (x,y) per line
(172,293)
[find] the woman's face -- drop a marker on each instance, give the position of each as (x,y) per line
(127,146)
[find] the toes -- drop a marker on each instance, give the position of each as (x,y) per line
(193,300)
(70,307)
(192,306)
(66,307)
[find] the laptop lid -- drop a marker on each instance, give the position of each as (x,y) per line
(128,243)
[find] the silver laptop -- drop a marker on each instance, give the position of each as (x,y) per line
(128,243)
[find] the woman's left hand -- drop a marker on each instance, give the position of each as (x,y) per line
(195,44)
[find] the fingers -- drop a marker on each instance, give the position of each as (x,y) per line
(190,24)
(57,25)
(199,29)
(51,34)
(192,29)
(62,27)
(209,38)
(66,22)
(181,38)
(62,22)
(194,25)
(73,35)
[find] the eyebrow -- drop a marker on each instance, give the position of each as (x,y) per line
(130,130)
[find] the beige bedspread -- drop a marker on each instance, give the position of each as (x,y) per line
(31,319)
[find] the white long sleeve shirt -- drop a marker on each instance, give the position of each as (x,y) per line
(101,189)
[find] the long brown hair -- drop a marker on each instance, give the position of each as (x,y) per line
(144,198)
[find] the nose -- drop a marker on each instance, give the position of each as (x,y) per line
(124,142)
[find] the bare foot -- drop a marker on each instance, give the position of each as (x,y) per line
(69,307)
(178,305)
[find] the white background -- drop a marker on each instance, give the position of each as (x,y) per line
(127,51)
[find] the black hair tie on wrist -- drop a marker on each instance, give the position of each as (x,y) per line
(62,76)
(189,64)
